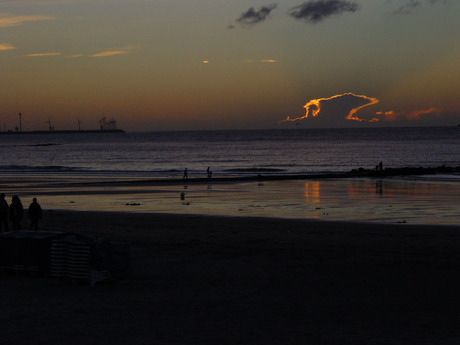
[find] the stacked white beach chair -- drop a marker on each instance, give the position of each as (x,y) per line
(64,256)
(71,259)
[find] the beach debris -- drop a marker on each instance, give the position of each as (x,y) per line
(132,204)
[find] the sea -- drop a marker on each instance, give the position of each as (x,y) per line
(165,155)
(36,164)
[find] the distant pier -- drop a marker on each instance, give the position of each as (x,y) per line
(64,131)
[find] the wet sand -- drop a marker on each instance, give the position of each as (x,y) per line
(388,200)
(246,280)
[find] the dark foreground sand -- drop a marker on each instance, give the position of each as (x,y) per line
(219,280)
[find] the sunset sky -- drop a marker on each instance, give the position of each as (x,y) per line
(220,64)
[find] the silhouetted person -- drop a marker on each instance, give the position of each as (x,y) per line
(380,166)
(34,213)
(3,212)
(16,212)
(209,172)
(185,174)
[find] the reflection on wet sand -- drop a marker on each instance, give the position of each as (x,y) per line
(357,199)
(312,192)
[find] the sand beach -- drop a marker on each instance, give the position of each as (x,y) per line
(245,280)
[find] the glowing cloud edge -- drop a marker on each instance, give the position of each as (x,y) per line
(313,108)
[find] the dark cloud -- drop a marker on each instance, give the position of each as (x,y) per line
(252,17)
(409,6)
(315,11)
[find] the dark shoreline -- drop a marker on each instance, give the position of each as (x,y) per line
(355,173)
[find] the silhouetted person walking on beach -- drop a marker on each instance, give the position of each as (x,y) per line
(16,212)
(209,173)
(3,212)
(34,213)
(185,174)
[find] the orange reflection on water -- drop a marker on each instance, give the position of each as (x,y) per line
(366,189)
(312,192)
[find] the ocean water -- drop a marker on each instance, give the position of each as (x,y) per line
(65,170)
(228,153)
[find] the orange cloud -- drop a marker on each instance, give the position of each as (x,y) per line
(417,114)
(120,51)
(352,114)
(42,54)
(388,115)
(7,46)
(110,53)
(261,61)
(411,115)
(313,107)
(7,21)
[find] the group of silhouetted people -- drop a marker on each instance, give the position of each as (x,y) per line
(15,212)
